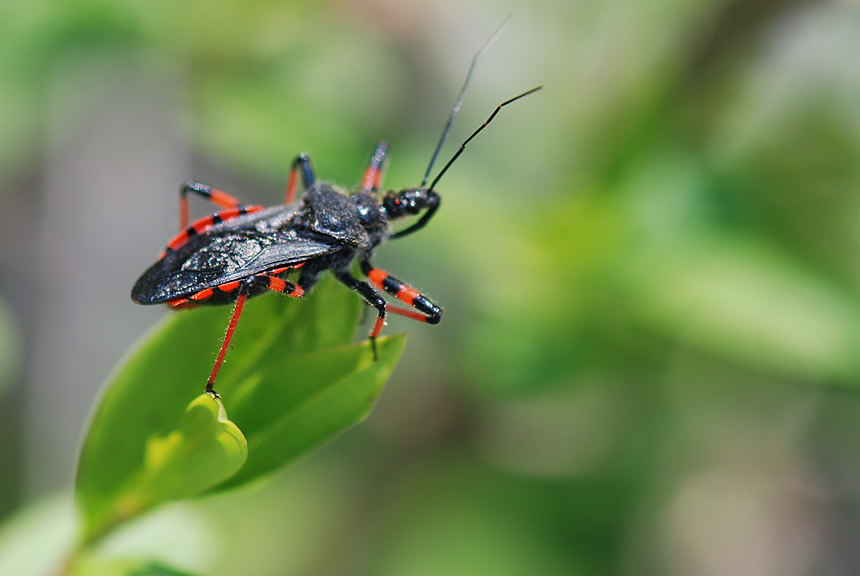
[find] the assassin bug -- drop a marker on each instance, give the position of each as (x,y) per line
(246,250)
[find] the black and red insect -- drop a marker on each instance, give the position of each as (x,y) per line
(246,250)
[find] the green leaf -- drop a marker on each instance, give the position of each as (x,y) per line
(291,380)
(329,390)
(204,449)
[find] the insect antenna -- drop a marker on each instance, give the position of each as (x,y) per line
(460,97)
(476,132)
(431,208)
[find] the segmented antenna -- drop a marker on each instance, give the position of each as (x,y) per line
(476,132)
(431,209)
(459,101)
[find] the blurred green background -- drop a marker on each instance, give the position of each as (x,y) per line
(650,272)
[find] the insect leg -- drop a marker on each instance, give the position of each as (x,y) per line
(372,179)
(425,310)
(234,320)
(243,286)
(372,297)
(277,284)
(302,162)
(206,222)
(214,195)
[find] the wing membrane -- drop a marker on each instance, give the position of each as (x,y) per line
(221,256)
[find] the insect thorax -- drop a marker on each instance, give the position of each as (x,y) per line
(353,219)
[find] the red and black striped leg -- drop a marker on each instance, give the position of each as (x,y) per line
(302,162)
(201,225)
(277,284)
(205,191)
(372,179)
(373,298)
(243,286)
(424,309)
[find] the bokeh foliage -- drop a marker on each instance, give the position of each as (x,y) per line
(650,275)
